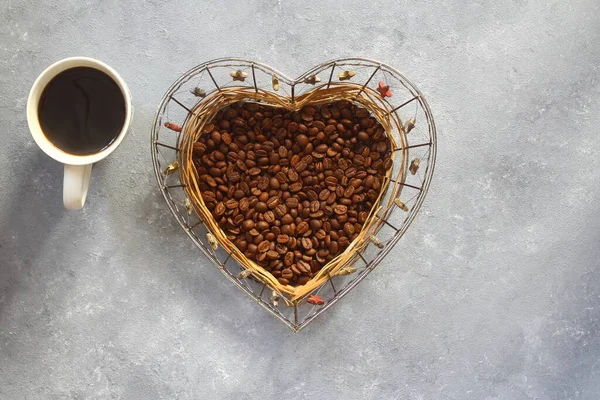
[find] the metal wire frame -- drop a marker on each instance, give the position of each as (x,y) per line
(196,230)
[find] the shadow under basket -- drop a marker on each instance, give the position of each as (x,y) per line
(195,98)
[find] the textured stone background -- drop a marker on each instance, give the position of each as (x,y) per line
(493,293)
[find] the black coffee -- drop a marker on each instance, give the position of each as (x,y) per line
(82,111)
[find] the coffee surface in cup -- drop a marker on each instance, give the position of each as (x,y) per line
(82,111)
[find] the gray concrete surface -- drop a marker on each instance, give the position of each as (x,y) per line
(493,293)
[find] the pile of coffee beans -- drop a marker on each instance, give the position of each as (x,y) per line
(291,189)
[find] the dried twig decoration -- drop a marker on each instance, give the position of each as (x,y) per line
(238,75)
(311,80)
(198,92)
(244,274)
(414,166)
(346,75)
(346,271)
(174,166)
(400,204)
(409,125)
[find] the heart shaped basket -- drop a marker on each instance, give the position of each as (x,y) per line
(193,100)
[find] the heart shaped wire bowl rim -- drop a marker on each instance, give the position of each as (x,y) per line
(407,102)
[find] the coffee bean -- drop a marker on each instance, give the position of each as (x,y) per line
(303,280)
(376,183)
(333,247)
(283,239)
(223,189)
(350,172)
(315,224)
(273,202)
(282,152)
(280,210)
(361,174)
(291,202)
(292,175)
(241,165)
(273,255)
(317,214)
(283,281)
(322,148)
(269,216)
(324,194)
(301,166)
(311,195)
(209,180)
(331,198)
(262,225)
(320,234)
(292,127)
(348,228)
(287,219)
(219,209)
(261,207)
(343,242)
(331,181)
(302,228)
(295,159)
(262,183)
(248,225)
(295,187)
(288,258)
(387,164)
(218,156)
(274,183)
(244,204)
(231,204)
(199,149)
(238,219)
(263,246)
(302,140)
(348,192)
(295,270)
(214,171)
(340,209)
(362,216)
(303,266)
(306,243)
(293,243)
(238,194)
(314,205)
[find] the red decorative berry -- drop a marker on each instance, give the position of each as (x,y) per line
(384,90)
(316,300)
(173,126)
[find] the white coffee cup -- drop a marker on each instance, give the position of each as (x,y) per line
(78,168)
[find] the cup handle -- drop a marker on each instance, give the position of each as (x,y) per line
(75,185)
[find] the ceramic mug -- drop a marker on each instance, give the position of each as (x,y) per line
(78,168)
